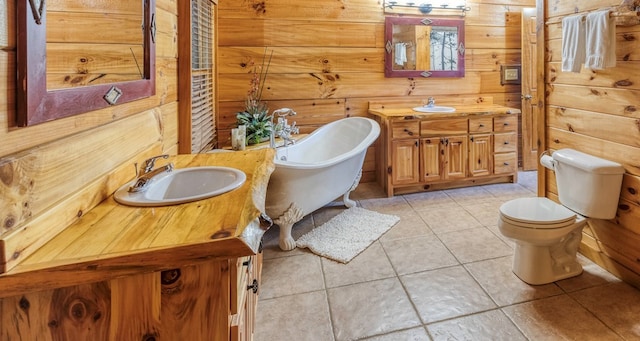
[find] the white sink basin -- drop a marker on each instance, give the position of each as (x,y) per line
(435,108)
(183,185)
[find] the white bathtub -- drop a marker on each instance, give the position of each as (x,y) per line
(316,170)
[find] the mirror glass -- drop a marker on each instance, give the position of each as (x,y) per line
(424,47)
(76,56)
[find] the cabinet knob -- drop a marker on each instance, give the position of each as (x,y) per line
(481,125)
(254,286)
(247,263)
(506,163)
(408,132)
(506,124)
(506,142)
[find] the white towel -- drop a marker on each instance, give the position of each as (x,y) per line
(401,54)
(573,42)
(601,40)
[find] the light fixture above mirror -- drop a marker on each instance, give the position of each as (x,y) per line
(438,7)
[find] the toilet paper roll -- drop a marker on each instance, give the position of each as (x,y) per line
(547,161)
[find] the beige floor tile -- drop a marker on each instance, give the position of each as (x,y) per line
(371,264)
(615,304)
(302,317)
(475,244)
(427,200)
(417,254)
(558,318)
(473,194)
(366,298)
(443,219)
(507,192)
(486,212)
(445,293)
(371,308)
(291,275)
(529,180)
(387,205)
(414,334)
(491,325)
(504,287)
(410,225)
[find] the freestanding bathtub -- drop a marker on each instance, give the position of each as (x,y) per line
(316,170)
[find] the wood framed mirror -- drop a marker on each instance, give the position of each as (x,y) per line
(77,56)
(424,47)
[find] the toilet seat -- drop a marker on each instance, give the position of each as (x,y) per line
(536,213)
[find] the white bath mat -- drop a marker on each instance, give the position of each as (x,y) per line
(347,234)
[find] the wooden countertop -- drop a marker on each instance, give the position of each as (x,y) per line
(115,240)
(461,111)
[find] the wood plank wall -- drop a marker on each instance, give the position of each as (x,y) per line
(597,112)
(328,58)
(55,172)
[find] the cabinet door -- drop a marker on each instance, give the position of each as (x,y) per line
(455,156)
(404,161)
(431,155)
(480,161)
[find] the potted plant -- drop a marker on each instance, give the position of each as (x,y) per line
(255,116)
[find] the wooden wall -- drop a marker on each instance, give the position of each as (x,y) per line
(328,58)
(53,173)
(597,112)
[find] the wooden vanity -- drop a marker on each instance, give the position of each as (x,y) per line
(475,145)
(182,272)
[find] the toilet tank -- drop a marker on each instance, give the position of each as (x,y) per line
(588,184)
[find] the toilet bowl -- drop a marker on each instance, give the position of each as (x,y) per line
(547,236)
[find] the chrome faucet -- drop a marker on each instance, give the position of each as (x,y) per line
(147,173)
(282,128)
(431,102)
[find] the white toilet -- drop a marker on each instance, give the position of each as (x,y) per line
(547,234)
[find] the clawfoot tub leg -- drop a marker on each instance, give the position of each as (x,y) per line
(348,201)
(292,215)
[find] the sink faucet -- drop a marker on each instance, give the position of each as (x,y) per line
(431,102)
(147,173)
(282,128)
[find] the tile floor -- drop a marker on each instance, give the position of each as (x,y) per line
(442,273)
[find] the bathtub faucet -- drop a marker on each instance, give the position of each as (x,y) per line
(282,128)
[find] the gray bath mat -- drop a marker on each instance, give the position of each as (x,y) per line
(347,234)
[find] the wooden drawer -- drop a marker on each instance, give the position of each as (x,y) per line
(456,126)
(481,125)
(401,130)
(505,123)
(505,163)
(503,143)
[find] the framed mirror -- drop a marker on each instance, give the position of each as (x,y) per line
(424,47)
(77,56)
